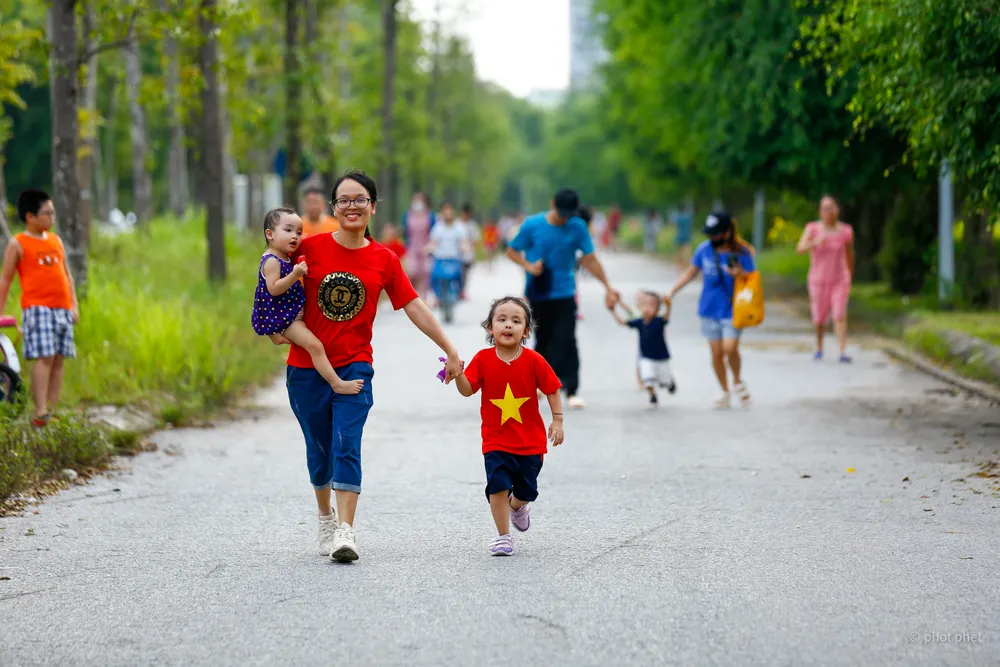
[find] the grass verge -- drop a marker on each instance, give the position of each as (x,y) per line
(153,334)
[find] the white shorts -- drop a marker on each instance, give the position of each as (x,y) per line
(655,373)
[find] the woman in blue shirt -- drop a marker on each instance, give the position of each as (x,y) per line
(722,258)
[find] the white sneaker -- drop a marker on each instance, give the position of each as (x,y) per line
(345,547)
(327,528)
(575,402)
(722,402)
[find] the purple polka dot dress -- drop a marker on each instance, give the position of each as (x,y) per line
(274,314)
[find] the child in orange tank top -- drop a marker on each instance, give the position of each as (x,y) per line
(48,298)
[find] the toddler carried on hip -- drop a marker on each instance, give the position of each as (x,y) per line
(280,298)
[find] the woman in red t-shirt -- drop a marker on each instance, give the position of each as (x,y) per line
(347,272)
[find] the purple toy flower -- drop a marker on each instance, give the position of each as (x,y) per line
(441,374)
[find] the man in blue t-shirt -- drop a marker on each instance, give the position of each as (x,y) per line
(546,247)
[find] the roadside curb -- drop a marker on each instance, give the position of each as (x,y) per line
(902,353)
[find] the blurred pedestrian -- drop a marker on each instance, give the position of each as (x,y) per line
(417,223)
(651,229)
(721,259)
(830,244)
(546,247)
(473,236)
(315,219)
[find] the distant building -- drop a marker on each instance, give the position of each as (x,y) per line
(586,50)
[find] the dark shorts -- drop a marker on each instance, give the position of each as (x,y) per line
(517,473)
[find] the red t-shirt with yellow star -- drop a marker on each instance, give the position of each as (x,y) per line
(511,420)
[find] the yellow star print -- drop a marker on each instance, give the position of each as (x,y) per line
(510,407)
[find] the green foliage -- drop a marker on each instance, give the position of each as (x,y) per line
(783,262)
(16,40)
(908,248)
(28,455)
(926,69)
(581,150)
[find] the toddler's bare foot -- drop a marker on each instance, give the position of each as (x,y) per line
(349,387)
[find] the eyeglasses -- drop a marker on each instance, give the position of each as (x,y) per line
(344,202)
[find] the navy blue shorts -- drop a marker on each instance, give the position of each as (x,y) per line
(517,473)
(331,423)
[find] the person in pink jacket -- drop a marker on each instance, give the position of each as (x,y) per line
(831,270)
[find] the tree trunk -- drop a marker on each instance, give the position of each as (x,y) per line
(320,74)
(228,163)
(426,182)
(64,78)
(5,233)
(344,67)
(293,102)
(141,185)
(177,173)
(109,154)
(88,133)
(386,184)
(212,158)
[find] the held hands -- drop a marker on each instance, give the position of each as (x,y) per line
(556,431)
(453,367)
(300,269)
(611,298)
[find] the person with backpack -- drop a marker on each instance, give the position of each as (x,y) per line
(723,259)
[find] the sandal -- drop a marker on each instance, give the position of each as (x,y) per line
(722,402)
(742,392)
(42,421)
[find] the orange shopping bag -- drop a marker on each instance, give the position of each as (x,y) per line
(748,300)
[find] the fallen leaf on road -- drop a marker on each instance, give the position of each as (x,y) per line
(928,509)
(850,470)
(4,578)
(906,479)
(965,557)
(887,500)
(804,476)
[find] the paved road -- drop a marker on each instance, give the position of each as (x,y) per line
(674,536)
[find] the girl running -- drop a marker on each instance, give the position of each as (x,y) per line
(514,437)
(280,298)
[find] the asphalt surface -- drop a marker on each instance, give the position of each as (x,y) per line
(667,536)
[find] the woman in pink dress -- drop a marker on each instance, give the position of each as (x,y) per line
(831,270)
(417,223)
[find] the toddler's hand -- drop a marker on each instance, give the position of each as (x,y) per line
(556,432)
(300,269)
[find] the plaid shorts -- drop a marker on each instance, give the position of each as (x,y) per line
(48,332)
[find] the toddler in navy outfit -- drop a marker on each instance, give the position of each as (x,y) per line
(280,298)
(654,356)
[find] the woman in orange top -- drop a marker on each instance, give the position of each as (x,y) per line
(48,298)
